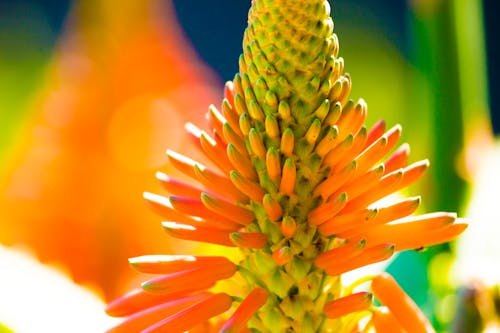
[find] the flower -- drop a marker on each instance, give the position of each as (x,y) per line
(294,180)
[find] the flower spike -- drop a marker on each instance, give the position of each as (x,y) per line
(297,188)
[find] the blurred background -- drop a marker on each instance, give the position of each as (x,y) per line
(92,93)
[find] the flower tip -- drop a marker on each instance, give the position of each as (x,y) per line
(282,256)
(161,176)
(361,102)
(176,226)
(415,201)
(147,286)
(237,322)
(288,227)
(193,130)
(348,304)
(342,197)
(361,243)
(352,165)
(254,240)
(229,85)
(152,198)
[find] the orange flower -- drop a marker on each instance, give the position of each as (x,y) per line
(295,181)
(116,91)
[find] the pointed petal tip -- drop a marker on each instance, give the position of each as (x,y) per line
(162,176)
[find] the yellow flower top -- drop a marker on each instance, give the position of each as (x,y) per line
(296,187)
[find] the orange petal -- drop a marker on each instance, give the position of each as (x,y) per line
(343,252)
(145,318)
(204,327)
(352,118)
(246,186)
(413,228)
(341,223)
(384,321)
(371,155)
(287,142)
(334,181)
(138,300)
(378,149)
(273,164)
(198,276)
(327,210)
(232,212)
(348,304)
(254,240)
(272,127)
(282,256)
(288,227)
(272,207)
(216,120)
(328,142)
(216,151)
(289,174)
(368,256)
(412,173)
(384,215)
(245,124)
(398,159)
(195,207)
(165,264)
(199,234)
(356,148)
(229,92)
(233,138)
(256,144)
(375,132)
(396,211)
(334,156)
(240,106)
(334,113)
(232,117)
(218,184)
(359,185)
(164,208)
(407,313)
(177,187)
(237,322)
(387,185)
(442,235)
(193,315)
(241,163)
(194,133)
(360,115)
(182,163)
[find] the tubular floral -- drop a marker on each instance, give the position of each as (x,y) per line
(296,187)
